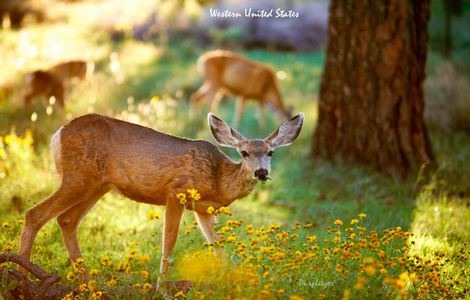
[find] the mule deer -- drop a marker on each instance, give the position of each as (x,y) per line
(72,69)
(95,154)
(42,83)
(52,82)
(227,72)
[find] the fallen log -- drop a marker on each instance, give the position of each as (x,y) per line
(47,286)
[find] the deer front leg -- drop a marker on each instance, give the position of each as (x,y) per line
(206,223)
(261,121)
(173,214)
(216,101)
(239,109)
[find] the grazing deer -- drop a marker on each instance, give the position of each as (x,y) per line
(42,83)
(72,69)
(95,154)
(52,82)
(227,72)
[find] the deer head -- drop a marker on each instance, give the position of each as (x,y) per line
(256,153)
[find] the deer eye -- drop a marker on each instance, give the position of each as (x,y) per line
(244,153)
(270,153)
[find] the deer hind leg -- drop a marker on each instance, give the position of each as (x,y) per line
(206,222)
(37,216)
(70,220)
(59,93)
(201,93)
(27,99)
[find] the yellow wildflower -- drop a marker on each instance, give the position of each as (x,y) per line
(92,285)
(360,283)
(210,210)
(98,294)
(147,287)
(370,270)
(225,210)
(152,216)
(111,282)
(362,215)
(194,194)
(9,247)
(311,238)
(144,274)
(144,259)
(182,198)
(354,221)
(83,287)
(70,276)
(338,222)
(105,260)
(180,294)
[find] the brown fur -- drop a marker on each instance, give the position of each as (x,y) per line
(95,154)
(52,82)
(227,72)
(41,83)
(69,70)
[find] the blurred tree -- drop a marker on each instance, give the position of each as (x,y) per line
(371,93)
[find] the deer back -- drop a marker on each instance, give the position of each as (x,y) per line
(69,70)
(143,164)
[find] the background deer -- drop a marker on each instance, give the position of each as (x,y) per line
(43,84)
(227,72)
(95,154)
(52,82)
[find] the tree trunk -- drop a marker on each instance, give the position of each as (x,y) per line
(371,93)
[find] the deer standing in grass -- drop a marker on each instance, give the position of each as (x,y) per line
(226,72)
(94,154)
(52,82)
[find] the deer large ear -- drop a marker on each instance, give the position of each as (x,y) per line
(286,133)
(224,134)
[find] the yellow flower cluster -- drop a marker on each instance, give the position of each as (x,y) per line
(346,261)
(191,195)
(221,211)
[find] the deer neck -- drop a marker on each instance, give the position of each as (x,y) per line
(277,103)
(236,181)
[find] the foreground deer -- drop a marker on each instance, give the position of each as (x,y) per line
(52,82)
(226,72)
(95,154)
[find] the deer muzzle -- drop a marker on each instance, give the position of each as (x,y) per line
(261,174)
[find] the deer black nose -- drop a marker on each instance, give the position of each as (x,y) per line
(261,174)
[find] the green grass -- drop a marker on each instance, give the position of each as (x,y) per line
(301,191)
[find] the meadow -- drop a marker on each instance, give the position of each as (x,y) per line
(317,230)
